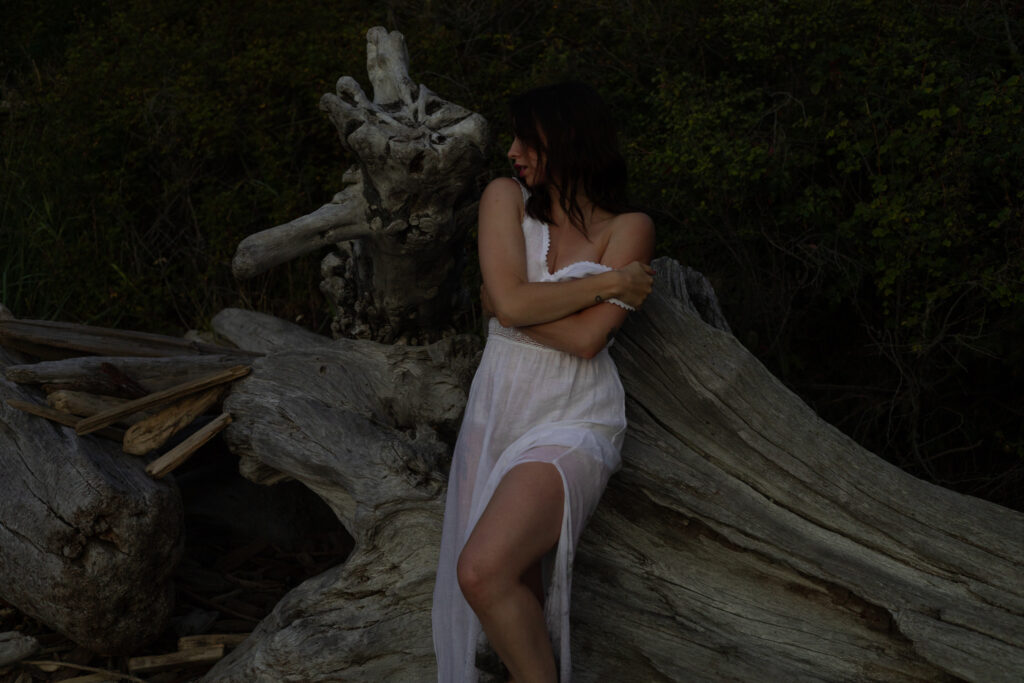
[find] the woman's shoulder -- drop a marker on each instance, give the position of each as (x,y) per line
(630,237)
(632,225)
(502,203)
(504,189)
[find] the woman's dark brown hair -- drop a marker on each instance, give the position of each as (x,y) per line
(571,129)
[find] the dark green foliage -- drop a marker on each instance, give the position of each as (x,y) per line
(163,134)
(847,173)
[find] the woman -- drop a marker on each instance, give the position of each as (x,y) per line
(562,261)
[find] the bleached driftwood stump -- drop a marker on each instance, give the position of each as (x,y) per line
(744,539)
(399,223)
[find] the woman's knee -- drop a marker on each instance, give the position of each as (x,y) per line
(480,579)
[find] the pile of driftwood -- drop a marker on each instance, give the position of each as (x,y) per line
(76,509)
(137,388)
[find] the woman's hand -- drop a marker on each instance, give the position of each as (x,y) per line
(637,281)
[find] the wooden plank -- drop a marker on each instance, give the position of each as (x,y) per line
(173,458)
(60,417)
(82,341)
(84,404)
(86,373)
(159,398)
(211,639)
(197,655)
(154,431)
(44,353)
(104,340)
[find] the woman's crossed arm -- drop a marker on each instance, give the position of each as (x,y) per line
(517,302)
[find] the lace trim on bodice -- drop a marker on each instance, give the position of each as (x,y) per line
(576,269)
(583,268)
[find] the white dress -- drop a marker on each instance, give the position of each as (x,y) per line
(527,403)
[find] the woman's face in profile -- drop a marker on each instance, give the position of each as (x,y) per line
(525,163)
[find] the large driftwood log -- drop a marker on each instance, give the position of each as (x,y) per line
(365,426)
(798,553)
(744,539)
(407,206)
(88,541)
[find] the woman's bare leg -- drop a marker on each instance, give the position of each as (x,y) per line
(534,581)
(522,521)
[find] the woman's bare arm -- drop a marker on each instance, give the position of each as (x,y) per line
(516,302)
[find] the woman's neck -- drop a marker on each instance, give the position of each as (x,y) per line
(559,215)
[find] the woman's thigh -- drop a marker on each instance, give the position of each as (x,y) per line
(521,522)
